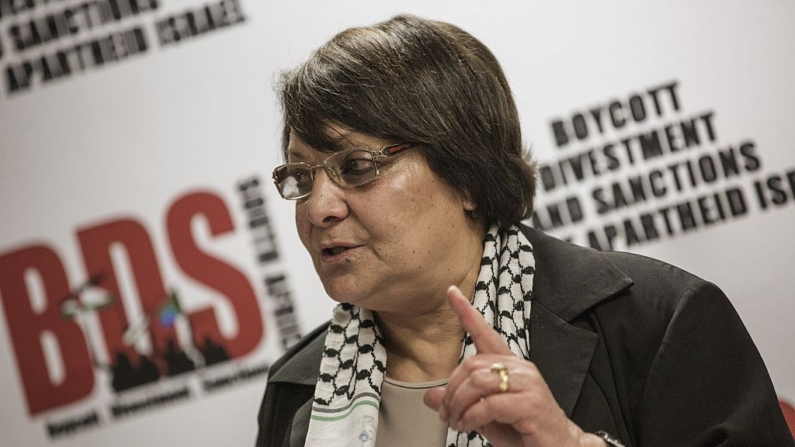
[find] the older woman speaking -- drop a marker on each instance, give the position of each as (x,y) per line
(456,325)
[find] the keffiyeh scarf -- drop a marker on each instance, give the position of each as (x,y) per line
(348,391)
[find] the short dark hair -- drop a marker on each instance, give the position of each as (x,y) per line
(426,82)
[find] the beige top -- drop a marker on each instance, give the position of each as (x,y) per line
(403,419)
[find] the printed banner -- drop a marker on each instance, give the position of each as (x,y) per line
(150,274)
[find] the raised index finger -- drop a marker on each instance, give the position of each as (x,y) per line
(486,339)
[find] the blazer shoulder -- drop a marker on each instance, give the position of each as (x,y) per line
(571,271)
(300,364)
(653,277)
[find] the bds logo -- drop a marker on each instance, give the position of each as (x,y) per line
(124,320)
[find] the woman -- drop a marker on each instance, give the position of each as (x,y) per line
(456,324)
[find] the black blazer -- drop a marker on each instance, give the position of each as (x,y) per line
(627,344)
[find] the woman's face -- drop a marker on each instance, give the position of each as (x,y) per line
(394,244)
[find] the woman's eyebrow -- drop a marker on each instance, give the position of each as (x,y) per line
(294,154)
(339,138)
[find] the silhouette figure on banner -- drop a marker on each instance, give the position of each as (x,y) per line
(177,361)
(213,352)
(126,375)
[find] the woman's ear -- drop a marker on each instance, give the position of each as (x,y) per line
(469,204)
(471,208)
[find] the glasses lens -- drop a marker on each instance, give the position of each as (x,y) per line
(293,180)
(354,167)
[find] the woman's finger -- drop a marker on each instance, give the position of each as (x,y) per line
(521,377)
(487,340)
(433,398)
(483,412)
(475,387)
(467,367)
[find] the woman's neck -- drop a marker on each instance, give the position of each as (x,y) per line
(421,348)
(426,346)
(424,342)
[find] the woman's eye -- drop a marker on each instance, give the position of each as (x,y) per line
(301,176)
(356,165)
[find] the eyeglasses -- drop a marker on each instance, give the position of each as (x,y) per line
(349,168)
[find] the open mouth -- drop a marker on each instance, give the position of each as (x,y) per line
(334,250)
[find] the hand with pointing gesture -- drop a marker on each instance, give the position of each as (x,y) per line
(501,396)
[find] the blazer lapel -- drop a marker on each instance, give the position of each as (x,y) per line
(569,280)
(300,425)
(562,353)
(302,369)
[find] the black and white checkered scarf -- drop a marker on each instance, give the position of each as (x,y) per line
(348,392)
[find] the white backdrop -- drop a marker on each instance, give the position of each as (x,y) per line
(183,124)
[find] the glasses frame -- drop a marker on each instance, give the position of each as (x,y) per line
(382,153)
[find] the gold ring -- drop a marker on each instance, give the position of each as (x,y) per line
(502,370)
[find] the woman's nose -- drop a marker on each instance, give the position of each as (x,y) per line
(326,204)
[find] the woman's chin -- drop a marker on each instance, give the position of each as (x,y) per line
(343,292)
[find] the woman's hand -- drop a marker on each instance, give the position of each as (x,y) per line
(525,414)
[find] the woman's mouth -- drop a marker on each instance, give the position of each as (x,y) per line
(334,250)
(334,254)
